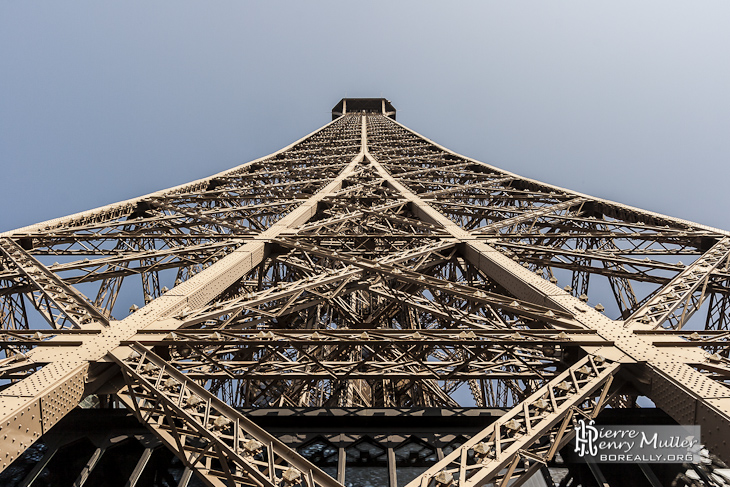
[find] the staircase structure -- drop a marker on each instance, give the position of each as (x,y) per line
(362,268)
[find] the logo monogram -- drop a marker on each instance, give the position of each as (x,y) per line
(585,439)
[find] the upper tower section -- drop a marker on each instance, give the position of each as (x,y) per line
(367,105)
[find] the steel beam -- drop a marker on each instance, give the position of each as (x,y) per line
(330,234)
(37,402)
(211,437)
(530,434)
(707,405)
(685,293)
(51,293)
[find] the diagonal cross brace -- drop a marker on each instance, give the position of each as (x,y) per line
(66,372)
(162,398)
(685,393)
(72,304)
(534,214)
(680,292)
(534,429)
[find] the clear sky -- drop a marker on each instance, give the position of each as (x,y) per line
(103,101)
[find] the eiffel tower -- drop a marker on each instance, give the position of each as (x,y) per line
(362,268)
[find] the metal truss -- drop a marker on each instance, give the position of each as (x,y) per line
(205,432)
(522,441)
(362,266)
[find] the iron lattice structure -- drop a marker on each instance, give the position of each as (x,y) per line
(363,266)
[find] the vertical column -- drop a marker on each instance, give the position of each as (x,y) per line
(341,459)
(392,477)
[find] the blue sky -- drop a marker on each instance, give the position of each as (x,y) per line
(103,101)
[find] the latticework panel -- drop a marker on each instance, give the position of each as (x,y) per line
(363,266)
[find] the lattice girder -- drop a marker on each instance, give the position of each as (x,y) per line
(363,266)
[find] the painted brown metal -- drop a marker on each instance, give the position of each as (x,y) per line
(362,266)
